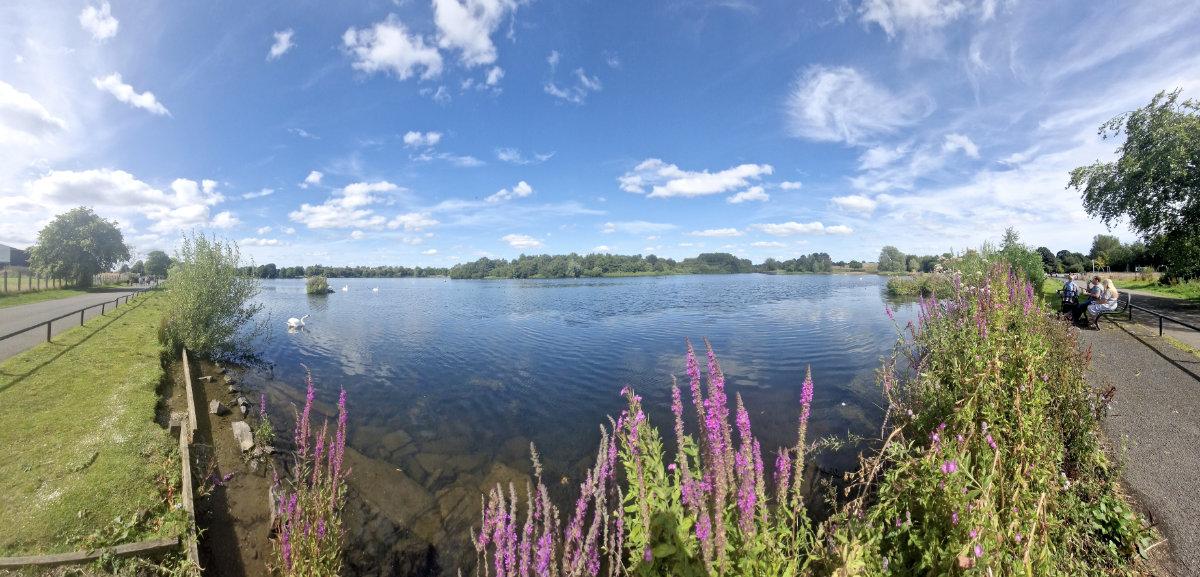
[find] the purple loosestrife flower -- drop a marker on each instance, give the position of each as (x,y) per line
(978,550)
(262,405)
(950,467)
(887,309)
(783,469)
(954,518)
(991,442)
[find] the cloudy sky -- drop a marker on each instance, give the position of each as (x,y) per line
(417,132)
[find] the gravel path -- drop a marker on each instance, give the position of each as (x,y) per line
(1155,420)
(19,317)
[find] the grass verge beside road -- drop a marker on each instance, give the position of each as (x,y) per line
(24,298)
(82,461)
(1188,290)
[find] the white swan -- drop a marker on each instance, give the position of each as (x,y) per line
(346,288)
(375,290)
(295,323)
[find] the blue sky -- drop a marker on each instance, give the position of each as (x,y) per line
(429,133)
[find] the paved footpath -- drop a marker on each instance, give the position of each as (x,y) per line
(1154,420)
(21,316)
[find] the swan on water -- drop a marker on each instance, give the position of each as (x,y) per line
(295,323)
(346,288)
(375,290)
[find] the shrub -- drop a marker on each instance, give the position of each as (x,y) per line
(317,285)
(208,300)
(308,507)
(920,285)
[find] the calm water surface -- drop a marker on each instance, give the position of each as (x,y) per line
(450,381)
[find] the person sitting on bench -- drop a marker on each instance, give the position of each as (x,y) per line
(1106,301)
(1070,294)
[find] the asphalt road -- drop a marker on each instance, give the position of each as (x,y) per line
(19,317)
(1154,419)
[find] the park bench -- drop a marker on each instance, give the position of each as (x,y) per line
(1122,307)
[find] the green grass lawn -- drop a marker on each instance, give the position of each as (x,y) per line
(1188,290)
(82,461)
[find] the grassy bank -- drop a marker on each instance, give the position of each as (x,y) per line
(82,461)
(1188,290)
(919,285)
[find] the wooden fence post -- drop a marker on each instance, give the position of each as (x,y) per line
(18,280)
(6,281)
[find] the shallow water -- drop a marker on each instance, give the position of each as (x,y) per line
(450,381)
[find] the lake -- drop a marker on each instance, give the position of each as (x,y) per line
(450,381)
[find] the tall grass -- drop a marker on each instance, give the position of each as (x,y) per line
(991,464)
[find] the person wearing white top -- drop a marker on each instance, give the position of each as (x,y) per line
(1107,301)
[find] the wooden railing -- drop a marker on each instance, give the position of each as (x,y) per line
(48,324)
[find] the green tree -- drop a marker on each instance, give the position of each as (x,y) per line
(138,267)
(1155,181)
(856,265)
(157,263)
(209,301)
(1102,244)
(1049,261)
(891,259)
(77,245)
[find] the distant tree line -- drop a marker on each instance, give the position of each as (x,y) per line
(602,264)
(270,270)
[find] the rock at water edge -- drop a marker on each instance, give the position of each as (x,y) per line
(216,408)
(242,434)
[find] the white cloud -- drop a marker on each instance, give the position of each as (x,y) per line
(575,93)
(750,194)
(313,179)
(668,180)
(602,248)
(258,194)
(466,161)
(416,138)
(521,241)
(514,156)
(357,234)
(855,203)
(842,105)
(494,75)
(429,252)
(467,26)
(283,43)
(262,230)
(289,230)
(123,92)
(303,133)
(225,219)
(413,221)
(387,47)
(187,205)
(521,190)
(716,232)
(793,228)
(553,59)
(956,142)
(351,207)
(881,156)
(919,21)
(768,244)
(99,21)
(259,241)
(21,116)
(636,227)
(790,185)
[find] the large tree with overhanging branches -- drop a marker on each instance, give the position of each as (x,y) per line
(1155,181)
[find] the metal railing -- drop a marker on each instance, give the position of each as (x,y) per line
(81,312)
(1161,317)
